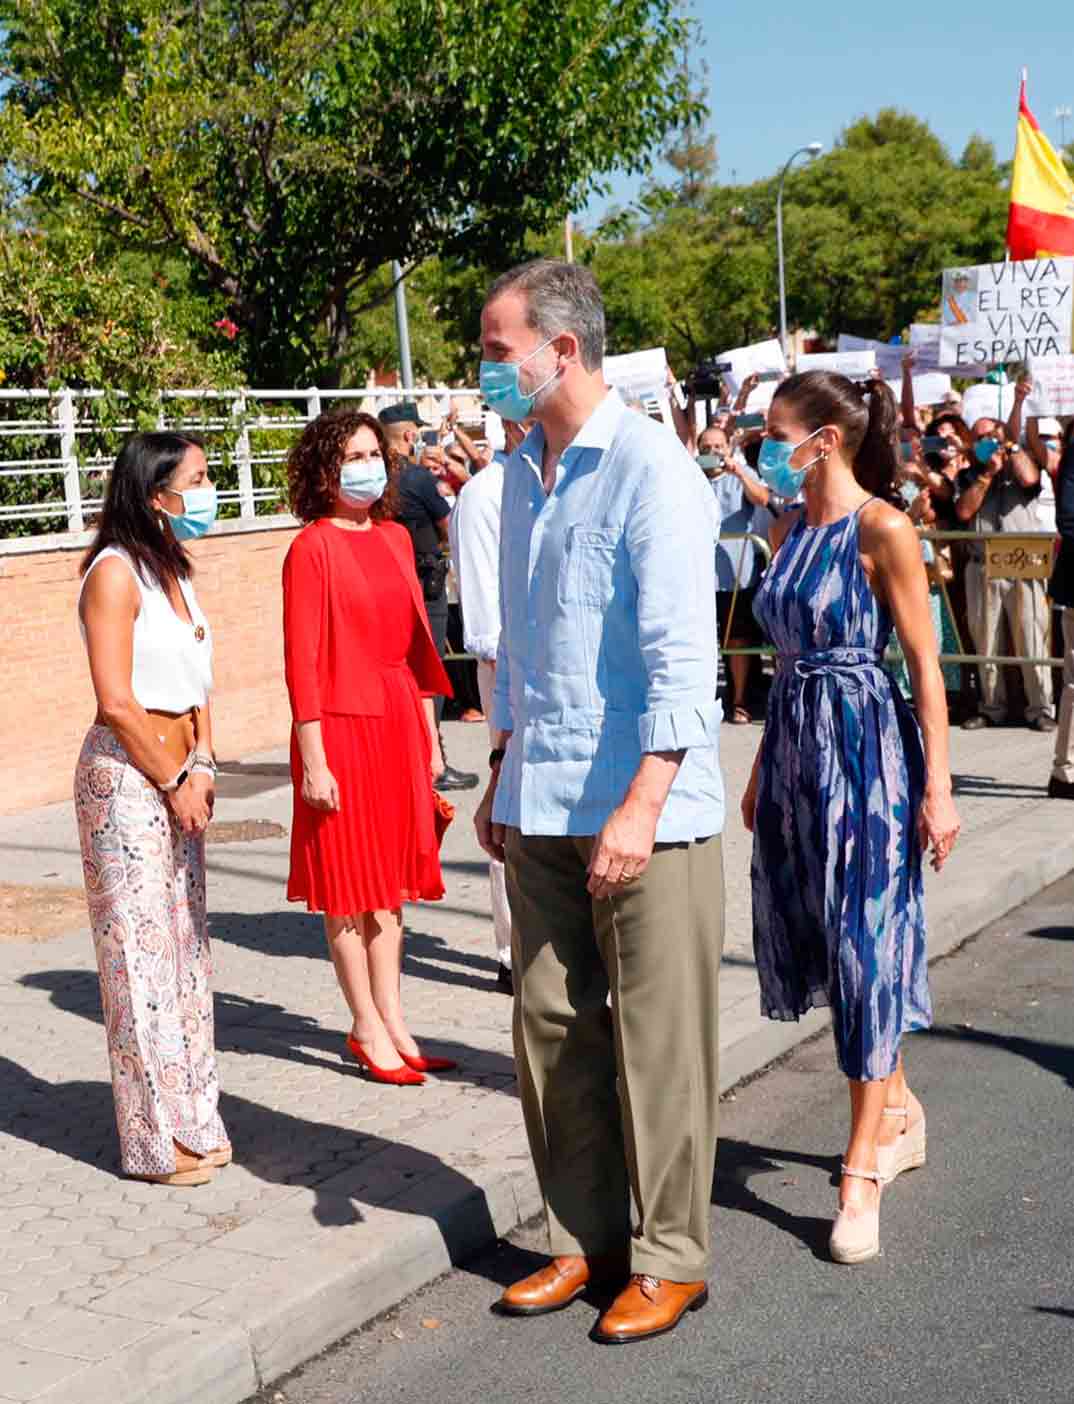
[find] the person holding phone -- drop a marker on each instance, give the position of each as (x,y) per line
(742,502)
(144,791)
(998,493)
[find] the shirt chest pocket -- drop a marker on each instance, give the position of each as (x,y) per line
(590,566)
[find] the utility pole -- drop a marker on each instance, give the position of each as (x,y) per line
(402,327)
(568,239)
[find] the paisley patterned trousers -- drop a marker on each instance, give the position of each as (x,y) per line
(145,886)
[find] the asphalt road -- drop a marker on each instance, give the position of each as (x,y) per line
(971,1300)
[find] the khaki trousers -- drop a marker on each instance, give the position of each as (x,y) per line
(621,1100)
(1028,613)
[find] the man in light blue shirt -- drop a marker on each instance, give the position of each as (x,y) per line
(606,802)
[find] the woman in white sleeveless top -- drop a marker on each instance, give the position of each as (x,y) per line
(144,795)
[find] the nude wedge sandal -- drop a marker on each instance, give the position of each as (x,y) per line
(907,1151)
(189,1170)
(856,1238)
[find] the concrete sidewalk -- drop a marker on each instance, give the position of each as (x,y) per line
(345,1196)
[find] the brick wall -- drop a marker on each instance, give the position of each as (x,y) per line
(47,700)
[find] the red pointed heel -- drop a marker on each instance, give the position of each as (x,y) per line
(422,1064)
(394,1077)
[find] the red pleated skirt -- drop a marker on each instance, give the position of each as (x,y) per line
(379,849)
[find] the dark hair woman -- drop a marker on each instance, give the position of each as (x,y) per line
(143,796)
(842,802)
(364,752)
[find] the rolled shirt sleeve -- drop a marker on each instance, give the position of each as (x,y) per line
(671,534)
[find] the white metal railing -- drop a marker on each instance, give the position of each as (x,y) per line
(61,421)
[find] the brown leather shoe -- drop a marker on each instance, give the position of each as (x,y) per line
(557,1284)
(647,1307)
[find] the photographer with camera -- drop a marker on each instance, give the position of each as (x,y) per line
(998,493)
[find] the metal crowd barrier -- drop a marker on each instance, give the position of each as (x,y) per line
(1026,555)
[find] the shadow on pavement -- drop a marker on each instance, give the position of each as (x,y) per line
(1053,933)
(1055,1058)
(250,1026)
(737,1162)
(991,788)
(298,933)
(75,1119)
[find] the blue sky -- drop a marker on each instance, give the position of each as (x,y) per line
(786,72)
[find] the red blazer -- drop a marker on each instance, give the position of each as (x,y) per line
(326,656)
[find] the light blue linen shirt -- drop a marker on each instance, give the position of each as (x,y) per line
(608,644)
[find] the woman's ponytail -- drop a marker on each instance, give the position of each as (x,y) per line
(876,462)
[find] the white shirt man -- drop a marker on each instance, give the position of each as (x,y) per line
(474,531)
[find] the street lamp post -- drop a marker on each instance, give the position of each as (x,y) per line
(1063,115)
(813,149)
(402,327)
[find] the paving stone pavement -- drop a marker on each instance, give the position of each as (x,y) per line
(345,1195)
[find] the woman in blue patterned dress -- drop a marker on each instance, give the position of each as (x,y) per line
(844,798)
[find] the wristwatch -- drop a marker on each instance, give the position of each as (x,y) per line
(171,786)
(496,757)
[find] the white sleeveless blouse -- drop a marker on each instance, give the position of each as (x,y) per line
(173,660)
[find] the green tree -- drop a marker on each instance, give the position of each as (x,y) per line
(74,314)
(287,152)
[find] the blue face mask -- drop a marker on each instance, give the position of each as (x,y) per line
(362,484)
(501,390)
(774,466)
(984,449)
(198,514)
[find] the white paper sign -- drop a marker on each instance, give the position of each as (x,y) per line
(639,375)
(987,401)
(925,342)
(857,365)
(929,389)
(888,358)
(762,356)
(1053,387)
(996,313)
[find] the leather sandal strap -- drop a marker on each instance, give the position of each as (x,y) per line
(862,1174)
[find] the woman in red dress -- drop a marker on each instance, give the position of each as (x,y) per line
(362,670)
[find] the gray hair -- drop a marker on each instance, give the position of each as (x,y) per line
(559,297)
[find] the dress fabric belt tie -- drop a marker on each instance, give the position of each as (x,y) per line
(852,669)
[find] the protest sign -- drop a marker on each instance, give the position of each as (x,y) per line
(1053,386)
(858,365)
(929,389)
(888,357)
(925,344)
(745,360)
(639,375)
(995,313)
(987,401)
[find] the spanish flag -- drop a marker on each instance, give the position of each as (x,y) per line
(1041,217)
